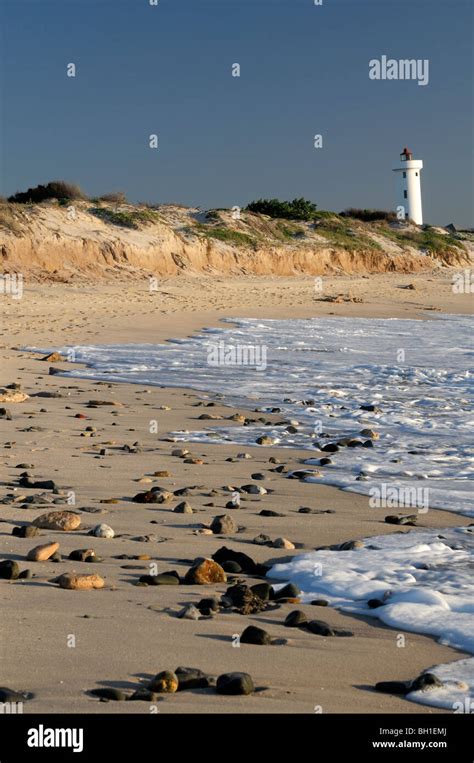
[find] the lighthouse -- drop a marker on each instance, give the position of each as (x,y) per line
(409,187)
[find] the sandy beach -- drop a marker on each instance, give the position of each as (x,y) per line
(60,644)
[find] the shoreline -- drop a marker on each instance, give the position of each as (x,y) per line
(344,672)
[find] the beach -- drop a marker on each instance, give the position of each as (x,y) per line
(60,644)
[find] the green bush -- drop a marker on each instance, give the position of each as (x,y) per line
(298,209)
(369,215)
(57,189)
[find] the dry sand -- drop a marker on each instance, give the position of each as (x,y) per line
(125,633)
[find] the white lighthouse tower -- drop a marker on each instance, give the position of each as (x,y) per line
(409,187)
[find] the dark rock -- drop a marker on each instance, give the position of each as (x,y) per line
(164,578)
(398,519)
(295,619)
(183,508)
(331,447)
(325,461)
(319,603)
(233,567)
(11,695)
(209,604)
(235,683)
(25,531)
(5,414)
(108,692)
(262,540)
(270,513)
(374,603)
(258,476)
(9,570)
(426,682)
(262,590)
(83,555)
(192,678)
(247,564)
(393,687)
(289,591)
(26,481)
(319,628)
(224,525)
(254,635)
(25,575)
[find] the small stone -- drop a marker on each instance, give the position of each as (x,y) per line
(164,578)
(224,524)
(83,555)
(319,603)
(102,531)
(295,619)
(42,553)
(234,683)
(397,519)
(208,604)
(254,489)
(254,635)
(162,473)
(79,582)
(11,695)
(270,513)
(320,628)
(189,612)
(180,452)
(58,520)
(350,545)
(192,678)
(283,543)
(165,682)
(375,603)
(183,508)
(426,682)
(25,531)
(247,564)
(258,476)
(330,448)
(5,414)
(262,590)
(232,567)
(265,440)
(369,433)
(289,591)
(25,575)
(9,570)
(11,396)
(204,572)
(262,540)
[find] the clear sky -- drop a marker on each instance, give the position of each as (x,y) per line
(225,140)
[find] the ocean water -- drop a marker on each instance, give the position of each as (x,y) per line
(323,373)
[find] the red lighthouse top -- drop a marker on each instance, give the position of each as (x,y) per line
(406,155)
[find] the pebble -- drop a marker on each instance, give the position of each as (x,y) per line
(164,578)
(232,567)
(350,545)
(234,683)
(192,678)
(243,599)
(254,489)
(12,695)
(319,603)
(295,619)
(189,612)
(258,476)
(269,513)
(283,543)
(183,508)
(254,635)
(83,555)
(289,591)
(180,452)
(262,590)
(165,682)
(42,553)
(265,440)
(163,473)
(224,524)
(79,582)
(247,564)
(393,687)
(262,540)
(153,496)
(397,519)
(25,531)
(204,572)
(426,682)
(9,570)
(319,628)
(58,520)
(102,531)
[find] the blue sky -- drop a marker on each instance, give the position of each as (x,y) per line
(224,140)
